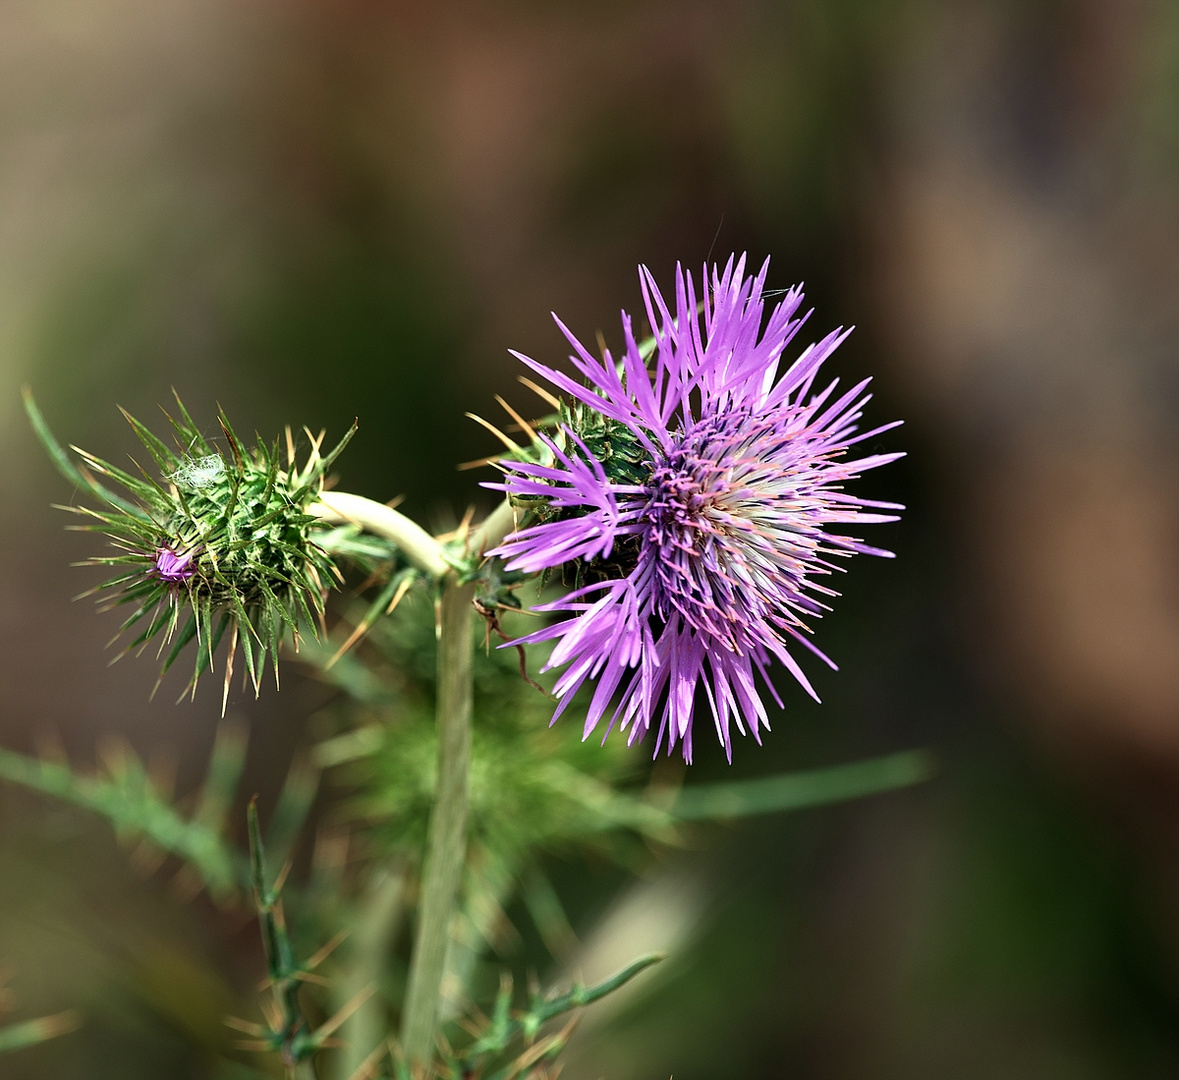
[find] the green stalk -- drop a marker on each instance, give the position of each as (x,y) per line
(377,920)
(446,840)
(415,543)
(296,1043)
(497,525)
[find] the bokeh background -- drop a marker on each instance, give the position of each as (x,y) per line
(312,211)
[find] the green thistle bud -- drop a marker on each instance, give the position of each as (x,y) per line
(616,446)
(219,542)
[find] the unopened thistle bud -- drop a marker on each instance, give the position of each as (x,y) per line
(219,542)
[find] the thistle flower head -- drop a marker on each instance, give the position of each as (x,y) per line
(219,541)
(691,487)
(172,568)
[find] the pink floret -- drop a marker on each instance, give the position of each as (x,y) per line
(172,568)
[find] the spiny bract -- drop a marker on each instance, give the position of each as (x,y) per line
(222,540)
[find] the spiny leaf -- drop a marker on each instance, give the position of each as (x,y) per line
(131,805)
(799,790)
(504,1029)
(31,1032)
(161,454)
(62,461)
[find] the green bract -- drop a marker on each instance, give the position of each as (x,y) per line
(623,457)
(221,541)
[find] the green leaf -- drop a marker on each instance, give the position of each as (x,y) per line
(503,1028)
(290,812)
(338,449)
(31,1032)
(800,790)
(186,635)
(222,777)
(187,431)
(62,460)
(129,802)
(160,452)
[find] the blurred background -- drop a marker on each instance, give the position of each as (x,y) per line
(309,212)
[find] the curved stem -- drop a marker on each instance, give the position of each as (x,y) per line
(501,521)
(446,840)
(415,543)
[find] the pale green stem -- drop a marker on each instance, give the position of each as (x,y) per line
(486,898)
(415,543)
(342,507)
(377,921)
(446,840)
(501,521)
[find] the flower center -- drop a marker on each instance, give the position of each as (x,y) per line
(173,568)
(697,542)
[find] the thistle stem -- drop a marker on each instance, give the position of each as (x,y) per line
(415,543)
(446,839)
(378,918)
(497,525)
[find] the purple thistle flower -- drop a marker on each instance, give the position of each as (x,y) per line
(704,557)
(171,568)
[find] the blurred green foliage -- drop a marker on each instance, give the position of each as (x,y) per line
(535,792)
(243,208)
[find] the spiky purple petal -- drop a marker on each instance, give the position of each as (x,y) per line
(173,568)
(744,473)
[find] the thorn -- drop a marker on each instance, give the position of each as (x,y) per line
(145,859)
(313,453)
(50,747)
(402,589)
(471,1026)
(524,425)
(496,432)
(237,453)
(330,853)
(353,638)
(49,1027)
(283,874)
(460,531)
(327,950)
(187,884)
(161,771)
(228,667)
(329,1026)
(366,625)
(273,1014)
(366,1069)
(466,466)
(244,1026)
